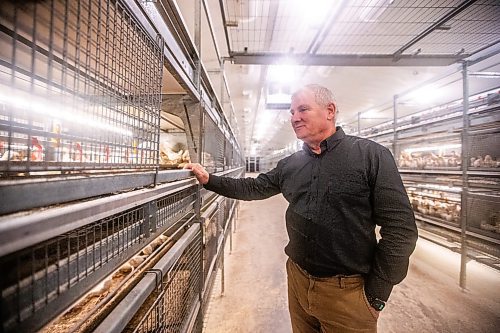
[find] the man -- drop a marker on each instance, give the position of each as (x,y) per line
(339,187)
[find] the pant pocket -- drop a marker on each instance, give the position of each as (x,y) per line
(375,314)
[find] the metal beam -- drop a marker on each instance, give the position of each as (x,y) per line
(346,59)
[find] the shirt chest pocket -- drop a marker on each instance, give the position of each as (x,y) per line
(347,185)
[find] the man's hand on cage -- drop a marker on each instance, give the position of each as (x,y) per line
(199,171)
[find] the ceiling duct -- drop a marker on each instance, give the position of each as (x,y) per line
(278,96)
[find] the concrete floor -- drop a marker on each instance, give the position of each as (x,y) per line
(428,300)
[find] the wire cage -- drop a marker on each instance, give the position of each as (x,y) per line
(440,203)
(440,151)
(483,214)
(173,309)
(213,146)
(212,233)
(484,151)
(228,206)
(228,154)
(44,279)
(43,274)
(80,87)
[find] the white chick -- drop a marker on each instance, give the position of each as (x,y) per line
(136,261)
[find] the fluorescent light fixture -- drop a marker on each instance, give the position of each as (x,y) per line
(370,114)
(433,148)
(425,95)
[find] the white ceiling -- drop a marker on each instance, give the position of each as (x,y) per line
(381,27)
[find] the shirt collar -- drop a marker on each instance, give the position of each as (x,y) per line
(329,143)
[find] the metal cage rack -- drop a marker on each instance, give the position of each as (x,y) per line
(448,157)
(81,84)
(178,294)
(45,278)
(83,196)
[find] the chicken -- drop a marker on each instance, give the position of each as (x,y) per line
(36,150)
(488,161)
(136,261)
(11,155)
(147,250)
(101,289)
(173,155)
(125,268)
(479,162)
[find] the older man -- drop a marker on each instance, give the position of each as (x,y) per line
(339,187)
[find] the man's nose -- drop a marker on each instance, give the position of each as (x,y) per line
(295,117)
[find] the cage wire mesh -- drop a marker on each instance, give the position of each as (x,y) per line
(41,274)
(435,151)
(484,151)
(483,215)
(228,205)
(181,287)
(212,232)
(172,207)
(80,85)
(55,269)
(213,143)
(228,154)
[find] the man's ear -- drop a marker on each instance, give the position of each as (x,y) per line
(332,109)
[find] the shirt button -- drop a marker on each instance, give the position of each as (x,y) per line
(314,177)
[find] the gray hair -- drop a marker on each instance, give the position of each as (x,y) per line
(322,95)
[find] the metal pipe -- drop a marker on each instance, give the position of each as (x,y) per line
(465,167)
(395,124)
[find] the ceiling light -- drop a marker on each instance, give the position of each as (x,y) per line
(370,114)
(425,95)
(286,73)
(312,12)
(278,96)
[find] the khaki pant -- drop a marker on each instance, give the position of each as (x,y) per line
(334,304)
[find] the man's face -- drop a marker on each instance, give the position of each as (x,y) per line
(311,122)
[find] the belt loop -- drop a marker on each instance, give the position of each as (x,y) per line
(341,282)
